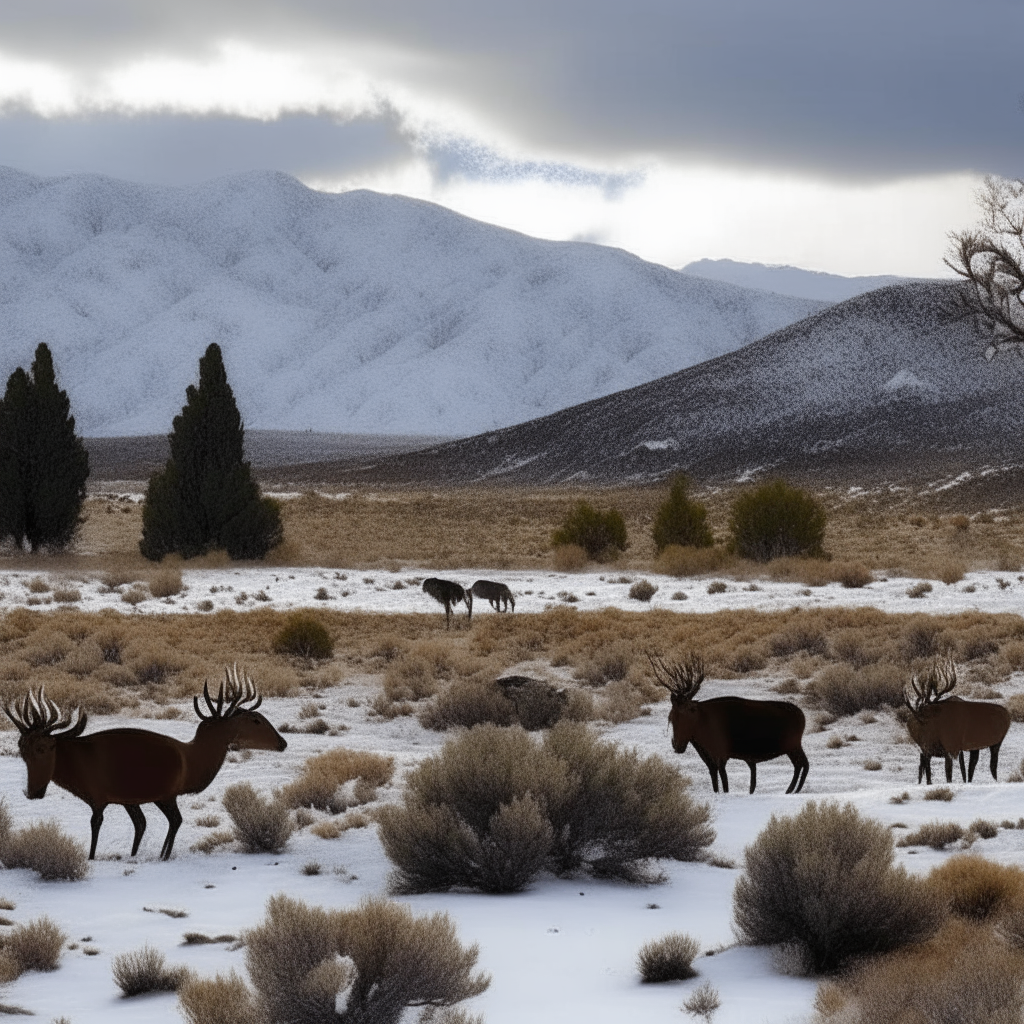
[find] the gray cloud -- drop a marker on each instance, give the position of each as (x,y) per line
(177,149)
(864,90)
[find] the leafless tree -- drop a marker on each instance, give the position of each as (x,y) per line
(990,259)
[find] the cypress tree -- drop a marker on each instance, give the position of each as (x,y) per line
(206,496)
(43,463)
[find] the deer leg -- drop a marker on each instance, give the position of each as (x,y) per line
(972,764)
(95,821)
(924,767)
(949,768)
(800,765)
(139,821)
(173,815)
(447,614)
(994,758)
(963,770)
(753,774)
(725,778)
(804,771)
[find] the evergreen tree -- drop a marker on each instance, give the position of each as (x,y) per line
(206,497)
(680,520)
(43,463)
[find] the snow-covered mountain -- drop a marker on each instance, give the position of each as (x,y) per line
(786,280)
(353,312)
(880,387)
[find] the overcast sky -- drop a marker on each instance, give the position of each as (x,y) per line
(844,137)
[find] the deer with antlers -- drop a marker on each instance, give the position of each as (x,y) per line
(944,725)
(730,727)
(136,766)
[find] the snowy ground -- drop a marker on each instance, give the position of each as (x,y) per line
(400,591)
(565,949)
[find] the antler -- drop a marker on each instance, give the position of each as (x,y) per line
(681,678)
(237,688)
(38,714)
(939,680)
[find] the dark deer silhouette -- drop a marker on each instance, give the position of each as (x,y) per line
(725,727)
(496,594)
(944,725)
(135,766)
(447,593)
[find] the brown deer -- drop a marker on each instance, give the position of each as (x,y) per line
(725,727)
(496,594)
(135,766)
(447,593)
(945,726)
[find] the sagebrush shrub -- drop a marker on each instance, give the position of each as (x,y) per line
(936,834)
(843,690)
(776,520)
(679,520)
(47,850)
(977,888)
(35,946)
(676,560)
(301,957)
(642,590)
(304,636)
(823,882)
(965,973)
(324,774)
(261,826)
(145,970)
(165,583)
(493,808)
(669,958)
(600,534)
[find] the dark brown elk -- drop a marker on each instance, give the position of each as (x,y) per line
(496,594)
(449,594)
(135,766)
(730,727)
(943,725)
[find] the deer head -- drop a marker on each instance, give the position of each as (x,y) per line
(928,691)
(41,724)
(245,725)
(682,679)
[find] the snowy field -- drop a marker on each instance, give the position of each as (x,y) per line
(564,950)
(400,591)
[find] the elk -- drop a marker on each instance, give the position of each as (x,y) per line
(945,726)
(136,766)
(447,593)
(726,727)
(497,594)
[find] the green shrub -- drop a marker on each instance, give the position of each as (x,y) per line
(823,882)
(305,637)
(668,959)
(601,534)
(776,520)
(680,520)
(494,808)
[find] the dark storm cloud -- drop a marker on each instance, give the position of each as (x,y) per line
(179,149)
(870,89)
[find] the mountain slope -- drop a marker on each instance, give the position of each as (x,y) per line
(876,388)
(807,284)
(356,312)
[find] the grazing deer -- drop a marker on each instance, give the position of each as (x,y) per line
(448,593)
(497,594)
(135,766)
(725,727)
(945,726)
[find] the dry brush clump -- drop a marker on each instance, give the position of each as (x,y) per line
(304,636)
(976,888)
(511,700)
(43,847)
(35,946)
(965,973)
(843,690)
(936,834)
(823,883)
(308,965)
(260,825)
(495,807)
(669,958)
(323,777)
(145,970)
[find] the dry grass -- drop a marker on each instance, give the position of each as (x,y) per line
(669,958)
(976,888)
(261,825)
(936,834)
(219,1000)
(323,776)
(145,970)
(46,849)
(965,973)
(35,946)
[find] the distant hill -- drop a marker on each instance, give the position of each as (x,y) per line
(352,313)
(877,388)
(806,284)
